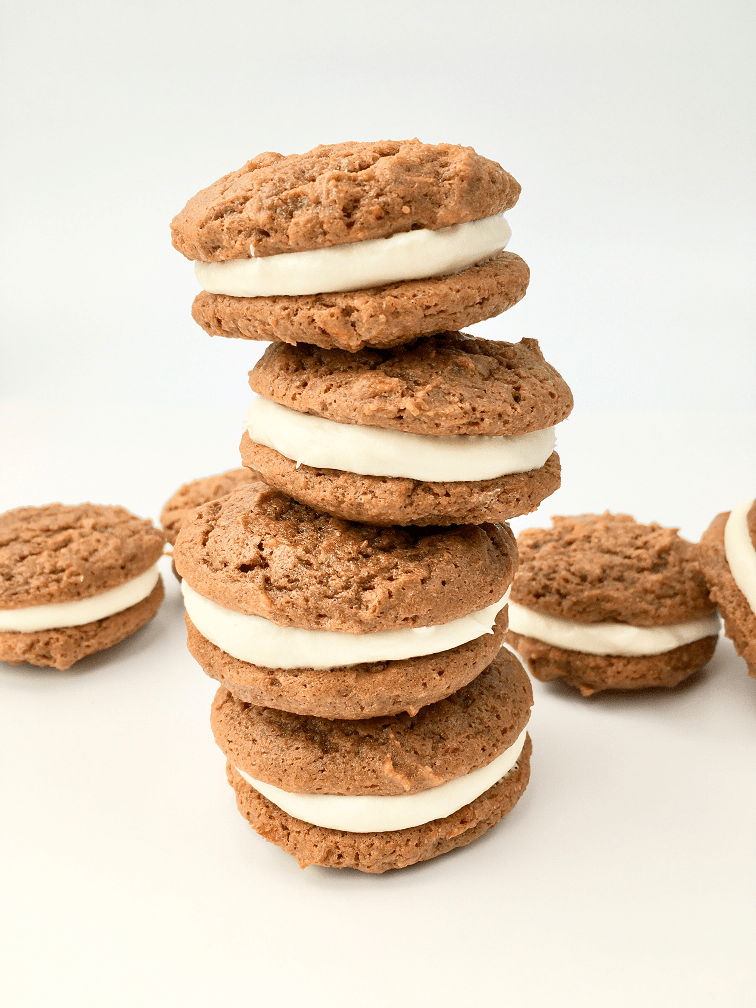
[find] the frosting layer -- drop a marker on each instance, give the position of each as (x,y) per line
(741,556)
(257,640)
(376,813)
(376,451)
(76,613)
(412,255)
(609,638)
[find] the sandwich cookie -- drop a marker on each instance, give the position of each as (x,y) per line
(606,603)
(383,792)
(353,244)
(288,607)
(728,561)
(74,579)
(191,495)
(450,429)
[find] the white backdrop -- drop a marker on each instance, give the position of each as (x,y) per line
(627,874)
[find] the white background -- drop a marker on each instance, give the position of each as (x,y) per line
(626,874)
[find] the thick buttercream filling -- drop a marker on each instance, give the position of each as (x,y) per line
(739,551)
(620,639)
(375,451)
(56,615)
(257,640)
(378,813)
(411,255)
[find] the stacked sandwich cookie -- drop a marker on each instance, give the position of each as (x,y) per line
(74,579)
(604,602)
(353,606)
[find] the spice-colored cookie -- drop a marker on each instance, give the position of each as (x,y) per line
(379,852)
(260,552)
(74,579)
(607,603)
(192,495)
(370,689)
(338,194)
(400,754)
(384,316)
(739,618)
(398,500)
(445,384)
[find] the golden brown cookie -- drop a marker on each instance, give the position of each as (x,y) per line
(446,384)
(260,552)
(370,689)
(191,495)
(339,193)
(384,316)
(398,754)
(397,500)
(739,618)
(380,852)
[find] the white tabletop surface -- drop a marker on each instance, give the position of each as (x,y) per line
(625,875)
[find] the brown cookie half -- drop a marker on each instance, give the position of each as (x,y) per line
(398,500)
(367,690)
(63,646)
(339,193)
(65,552)
(260,552)
(590,673)
(610,568)
(192,495)
(446,384)
(739,618)
(398,754)
(380,852)
(384,316)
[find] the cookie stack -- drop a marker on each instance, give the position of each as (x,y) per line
(353,605)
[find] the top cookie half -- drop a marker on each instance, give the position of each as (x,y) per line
(353,244)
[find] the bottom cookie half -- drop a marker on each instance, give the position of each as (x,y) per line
(380,852)
(590,673)
(60,648)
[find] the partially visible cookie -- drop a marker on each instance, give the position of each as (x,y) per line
(383,316)
(607,603)
(192,495)
(74,579)
(737,612)
(259,552)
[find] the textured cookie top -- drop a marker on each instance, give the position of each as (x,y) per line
(339,193)
(397,754)
(257,551)
(608,568)
(191,495)
(448,383)
(64,552)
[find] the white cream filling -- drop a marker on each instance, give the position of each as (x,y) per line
(739,551)
(374,451)
(609,638)
(357,265)
(55,615)
(257,640)
(378,813)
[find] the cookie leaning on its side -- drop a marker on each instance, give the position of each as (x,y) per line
(74,579)
(728,561)
(448,429)
(606,603)
(353,244)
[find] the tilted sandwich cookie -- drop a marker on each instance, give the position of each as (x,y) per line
(297,610)
(728,561)
(385,792)
(607,603)
(448,429)
(353,244)
(74,579)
